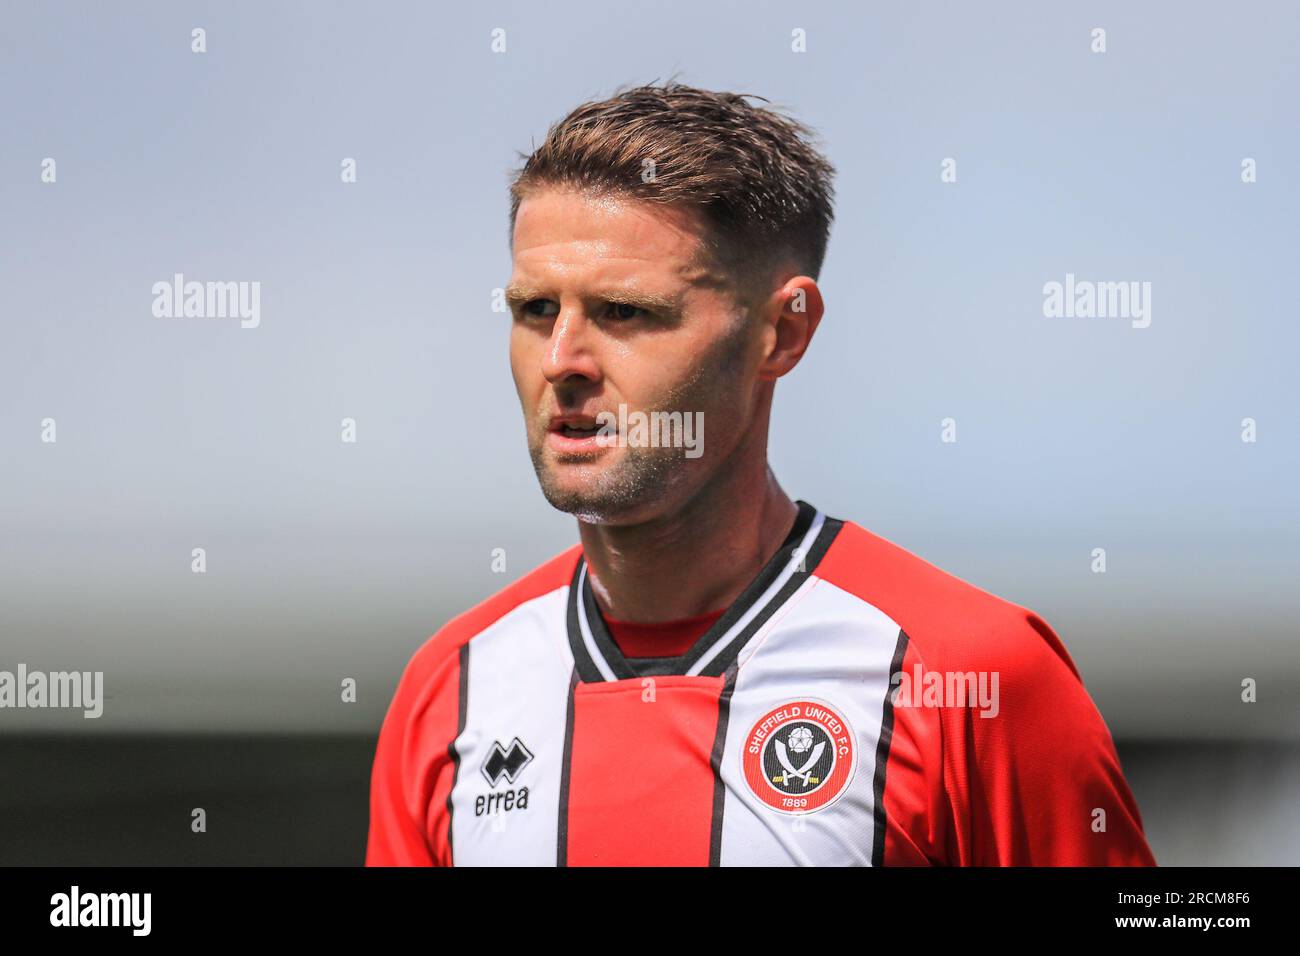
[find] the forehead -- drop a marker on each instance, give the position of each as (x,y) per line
(579,235)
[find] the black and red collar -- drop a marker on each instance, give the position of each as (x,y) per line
(597,658)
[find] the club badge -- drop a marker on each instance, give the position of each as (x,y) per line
(799,757)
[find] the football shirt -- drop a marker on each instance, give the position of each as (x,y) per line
(854,706)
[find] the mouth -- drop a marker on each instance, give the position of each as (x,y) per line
(571,433)
(578,431)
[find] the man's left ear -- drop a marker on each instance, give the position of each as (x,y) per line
(795,310)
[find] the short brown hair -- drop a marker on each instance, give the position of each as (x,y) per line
(763,189)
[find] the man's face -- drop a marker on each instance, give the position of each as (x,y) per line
(614,302)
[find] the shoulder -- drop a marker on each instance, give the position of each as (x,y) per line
(447,641)
(1008,768)
(950,623)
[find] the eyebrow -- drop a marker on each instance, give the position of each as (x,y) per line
(518,294)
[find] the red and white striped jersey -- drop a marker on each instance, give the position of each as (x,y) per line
(854,706)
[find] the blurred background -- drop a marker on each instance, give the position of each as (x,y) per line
(329,560)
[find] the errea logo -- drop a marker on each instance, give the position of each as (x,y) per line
(509,763)
(506,762)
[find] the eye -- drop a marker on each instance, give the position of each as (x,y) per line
(621,310)
(539,307)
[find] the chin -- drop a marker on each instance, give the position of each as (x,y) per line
(588,506)
(617,505)
(614,490)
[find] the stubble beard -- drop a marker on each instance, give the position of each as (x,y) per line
(605,493)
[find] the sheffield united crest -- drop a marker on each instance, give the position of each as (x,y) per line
(799,757)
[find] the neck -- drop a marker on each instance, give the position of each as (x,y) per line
(696,560)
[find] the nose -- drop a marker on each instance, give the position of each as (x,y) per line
(569,355)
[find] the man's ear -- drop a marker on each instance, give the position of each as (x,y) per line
(792,313)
